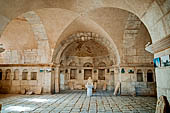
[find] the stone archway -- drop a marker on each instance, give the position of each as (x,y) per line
(87,67)
(153,13)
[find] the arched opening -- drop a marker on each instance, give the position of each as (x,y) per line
(97,16)
(8,74)
(87,64)
(139,75)
(84,61)
(0,74)
(150,76)
(102,64)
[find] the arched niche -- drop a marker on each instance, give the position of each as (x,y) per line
(73,63)
(139,75)
(7,74)
(150,76)
(0,74)
(87,64)
(16,74)
(102,64)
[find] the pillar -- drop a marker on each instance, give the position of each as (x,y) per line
(159,49)
(57,79)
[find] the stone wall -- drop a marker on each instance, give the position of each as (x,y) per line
(15,82)
(131,85)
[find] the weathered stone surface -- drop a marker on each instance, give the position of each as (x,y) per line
(23,91)
(77,101)
(29,93)
(38,90)
(34,37)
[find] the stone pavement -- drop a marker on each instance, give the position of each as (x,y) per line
(77,102)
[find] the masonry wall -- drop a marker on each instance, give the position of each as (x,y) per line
(130,84)
(12,84)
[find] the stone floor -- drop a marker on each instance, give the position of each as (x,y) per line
(77,102)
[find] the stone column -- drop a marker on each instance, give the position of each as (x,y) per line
(53,81)
(57,79)
(161,48)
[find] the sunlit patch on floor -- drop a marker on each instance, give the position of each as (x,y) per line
(18,108)
(38,100)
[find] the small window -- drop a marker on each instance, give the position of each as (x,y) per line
(33,75)
(149,76)
(24,74)
(0,74)
(8,74)
(139,75)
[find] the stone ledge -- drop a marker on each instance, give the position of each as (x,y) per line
(159,45)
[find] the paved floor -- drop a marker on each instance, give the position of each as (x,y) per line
(76,102)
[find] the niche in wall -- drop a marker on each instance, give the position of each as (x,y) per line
(139,75)
(150,76)
(87,73)
(33,75)
(24,74)
(73,73)
(7,74)
(0,74)
(16,74)
(101,74)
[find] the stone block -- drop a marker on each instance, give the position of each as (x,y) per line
(167,23)
(16,82)
(153,14)
(23,91)
(158,31)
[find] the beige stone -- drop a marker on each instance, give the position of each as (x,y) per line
(55,34)
(23,91)
(38,90)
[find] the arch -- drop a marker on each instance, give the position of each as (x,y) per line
(104,41)
(146,8)
(8,74)
(139,75)
(25,74)
(150,76)
(0,74)
(102,64)
(16,74)
(73,63)
(88,64)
